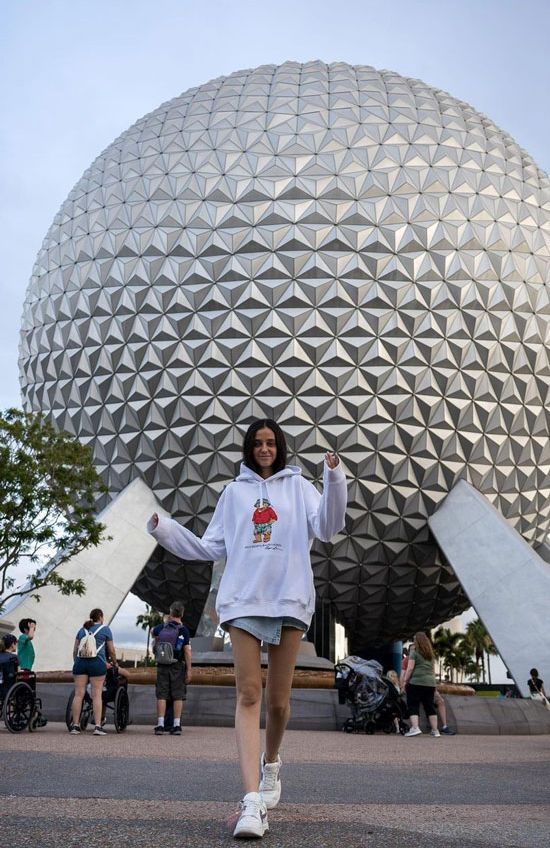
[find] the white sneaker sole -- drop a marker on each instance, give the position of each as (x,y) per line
(254,830)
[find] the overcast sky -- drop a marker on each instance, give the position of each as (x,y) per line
(74,74)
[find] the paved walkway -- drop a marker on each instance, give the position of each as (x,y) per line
(338,790)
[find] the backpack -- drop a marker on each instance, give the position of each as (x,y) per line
(87,647)
(166,647)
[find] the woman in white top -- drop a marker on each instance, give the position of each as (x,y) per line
(264,524)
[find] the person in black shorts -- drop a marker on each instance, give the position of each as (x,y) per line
(173,655)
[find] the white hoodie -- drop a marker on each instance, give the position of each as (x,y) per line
(268,569)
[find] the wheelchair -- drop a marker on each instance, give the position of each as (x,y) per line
(114,697)
(19,706)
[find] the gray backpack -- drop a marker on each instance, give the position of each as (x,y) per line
(165,647)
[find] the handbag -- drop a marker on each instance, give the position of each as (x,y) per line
(538,696)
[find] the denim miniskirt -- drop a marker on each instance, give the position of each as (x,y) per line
(265,628)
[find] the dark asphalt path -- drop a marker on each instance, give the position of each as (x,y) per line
(62,776)
(339,791)
(147,833)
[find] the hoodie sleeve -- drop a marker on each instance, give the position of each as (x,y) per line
(183,543)
(326,513)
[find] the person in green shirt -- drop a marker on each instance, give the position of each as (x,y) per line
(25,648)
(420,684)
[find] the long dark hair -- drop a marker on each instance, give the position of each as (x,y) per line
(95,615)
(280,442)
(423,645)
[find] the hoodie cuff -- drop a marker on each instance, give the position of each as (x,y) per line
(153,528)
(333,475)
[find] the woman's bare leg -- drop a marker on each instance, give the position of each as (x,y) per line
(97,697)
(280,670)
(248,682)
(80,683)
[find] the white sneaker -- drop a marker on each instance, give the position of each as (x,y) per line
(435,733)
(252,819)
(270,783)
(99,731)
(414,731)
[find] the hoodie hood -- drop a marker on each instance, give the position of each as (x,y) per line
(246,475)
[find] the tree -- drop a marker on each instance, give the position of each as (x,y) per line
(48,490)
(471,669)
(491,652)
(447,648)
(147,620)
(463,661)
(481,644)
(475,635)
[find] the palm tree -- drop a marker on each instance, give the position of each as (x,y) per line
(491,650)
(447,648)
(481,644)
(471,669)
(147,620)
(465,663)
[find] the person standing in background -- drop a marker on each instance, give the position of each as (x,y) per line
(419,681)
(174,674)
(439,702)
(25,647)
(91,669)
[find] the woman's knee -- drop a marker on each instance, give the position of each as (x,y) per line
(277,708)
(249,694)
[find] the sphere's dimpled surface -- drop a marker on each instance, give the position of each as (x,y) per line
(357,254)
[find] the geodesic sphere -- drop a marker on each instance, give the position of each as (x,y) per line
(356,254)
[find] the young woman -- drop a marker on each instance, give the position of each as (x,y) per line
(419,681)
(92,669)
(536,686)
(264,524)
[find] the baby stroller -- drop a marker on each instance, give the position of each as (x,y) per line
(374,700)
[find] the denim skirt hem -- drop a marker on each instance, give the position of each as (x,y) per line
(266,628)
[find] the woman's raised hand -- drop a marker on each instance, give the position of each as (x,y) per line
(331,460)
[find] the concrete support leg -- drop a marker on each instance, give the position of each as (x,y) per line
(109,572)
(507,583)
